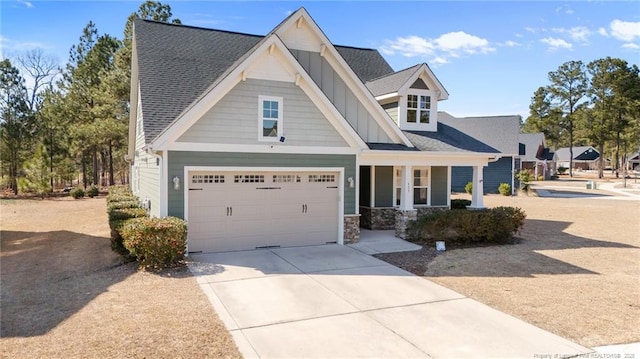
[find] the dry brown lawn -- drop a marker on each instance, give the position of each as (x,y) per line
(65,294)
(576,272)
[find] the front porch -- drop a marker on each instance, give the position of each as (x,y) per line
(391,196)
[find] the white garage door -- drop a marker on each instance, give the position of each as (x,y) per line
(246,210)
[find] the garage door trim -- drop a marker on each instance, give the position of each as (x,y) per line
(339,170)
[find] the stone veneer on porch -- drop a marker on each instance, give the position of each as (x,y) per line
(377,218)
(351,228)
(392,218)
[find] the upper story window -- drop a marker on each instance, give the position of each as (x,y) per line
(270,124)
(418,108)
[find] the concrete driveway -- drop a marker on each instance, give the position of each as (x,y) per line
(334,301)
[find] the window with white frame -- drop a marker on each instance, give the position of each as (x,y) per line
(418,108)
(270,124)
(420,185)
(398,185)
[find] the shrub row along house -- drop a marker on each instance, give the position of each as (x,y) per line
(287,139)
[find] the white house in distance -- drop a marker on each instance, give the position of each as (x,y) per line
(287,139)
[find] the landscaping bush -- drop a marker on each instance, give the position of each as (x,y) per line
(133,203)
(122,206)
(120,194)
(93,191)
(77,193)
(156,242)
(525,179)
(504,189)
(562,170)
(460,203)
(469,188)
(118,217)
(496,225)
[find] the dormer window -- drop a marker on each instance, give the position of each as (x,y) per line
(418,108)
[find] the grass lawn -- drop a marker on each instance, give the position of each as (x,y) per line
(64,293)
(576,271)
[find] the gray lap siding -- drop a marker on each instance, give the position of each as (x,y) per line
(177,160)
(495,173)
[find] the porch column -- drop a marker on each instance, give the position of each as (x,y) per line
(406,191)
(406,212)
(477,193)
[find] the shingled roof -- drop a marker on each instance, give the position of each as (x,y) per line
(177,63)
(531,141)
(390,83)
(368,64)
(499,132)
(447,139)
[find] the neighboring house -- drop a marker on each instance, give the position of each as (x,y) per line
(633,162)
(498,132)
(536,156)
(286,139)
(584,157)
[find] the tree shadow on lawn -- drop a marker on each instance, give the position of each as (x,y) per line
(521,259)
(47,277)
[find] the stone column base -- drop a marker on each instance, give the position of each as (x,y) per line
(351,228)
(403,217)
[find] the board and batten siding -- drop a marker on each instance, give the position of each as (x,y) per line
(145,173)
(497,172)
(439,185)
(234,119)
(393,111)
(341,96)
(179,159)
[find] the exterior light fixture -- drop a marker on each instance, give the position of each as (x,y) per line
(176,183)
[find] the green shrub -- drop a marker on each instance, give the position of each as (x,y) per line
(93,191)
(120,194)
(562,170)
(123,204)
(117,218)
(496,225)
(525,178)
(156,242)
(77,193)
(460,203)
(504,189)
(469,188)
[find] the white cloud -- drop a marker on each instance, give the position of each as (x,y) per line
(410,46)
(631,46)
(449,45)
(461,42)
(625,30)
(288,12)
(555,43)
(564,9)
(510,43)
(28,4)
(530,29)
(602,31)
(439,61)
(577,33)
(580,33)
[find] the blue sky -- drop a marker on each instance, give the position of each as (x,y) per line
(490,55)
